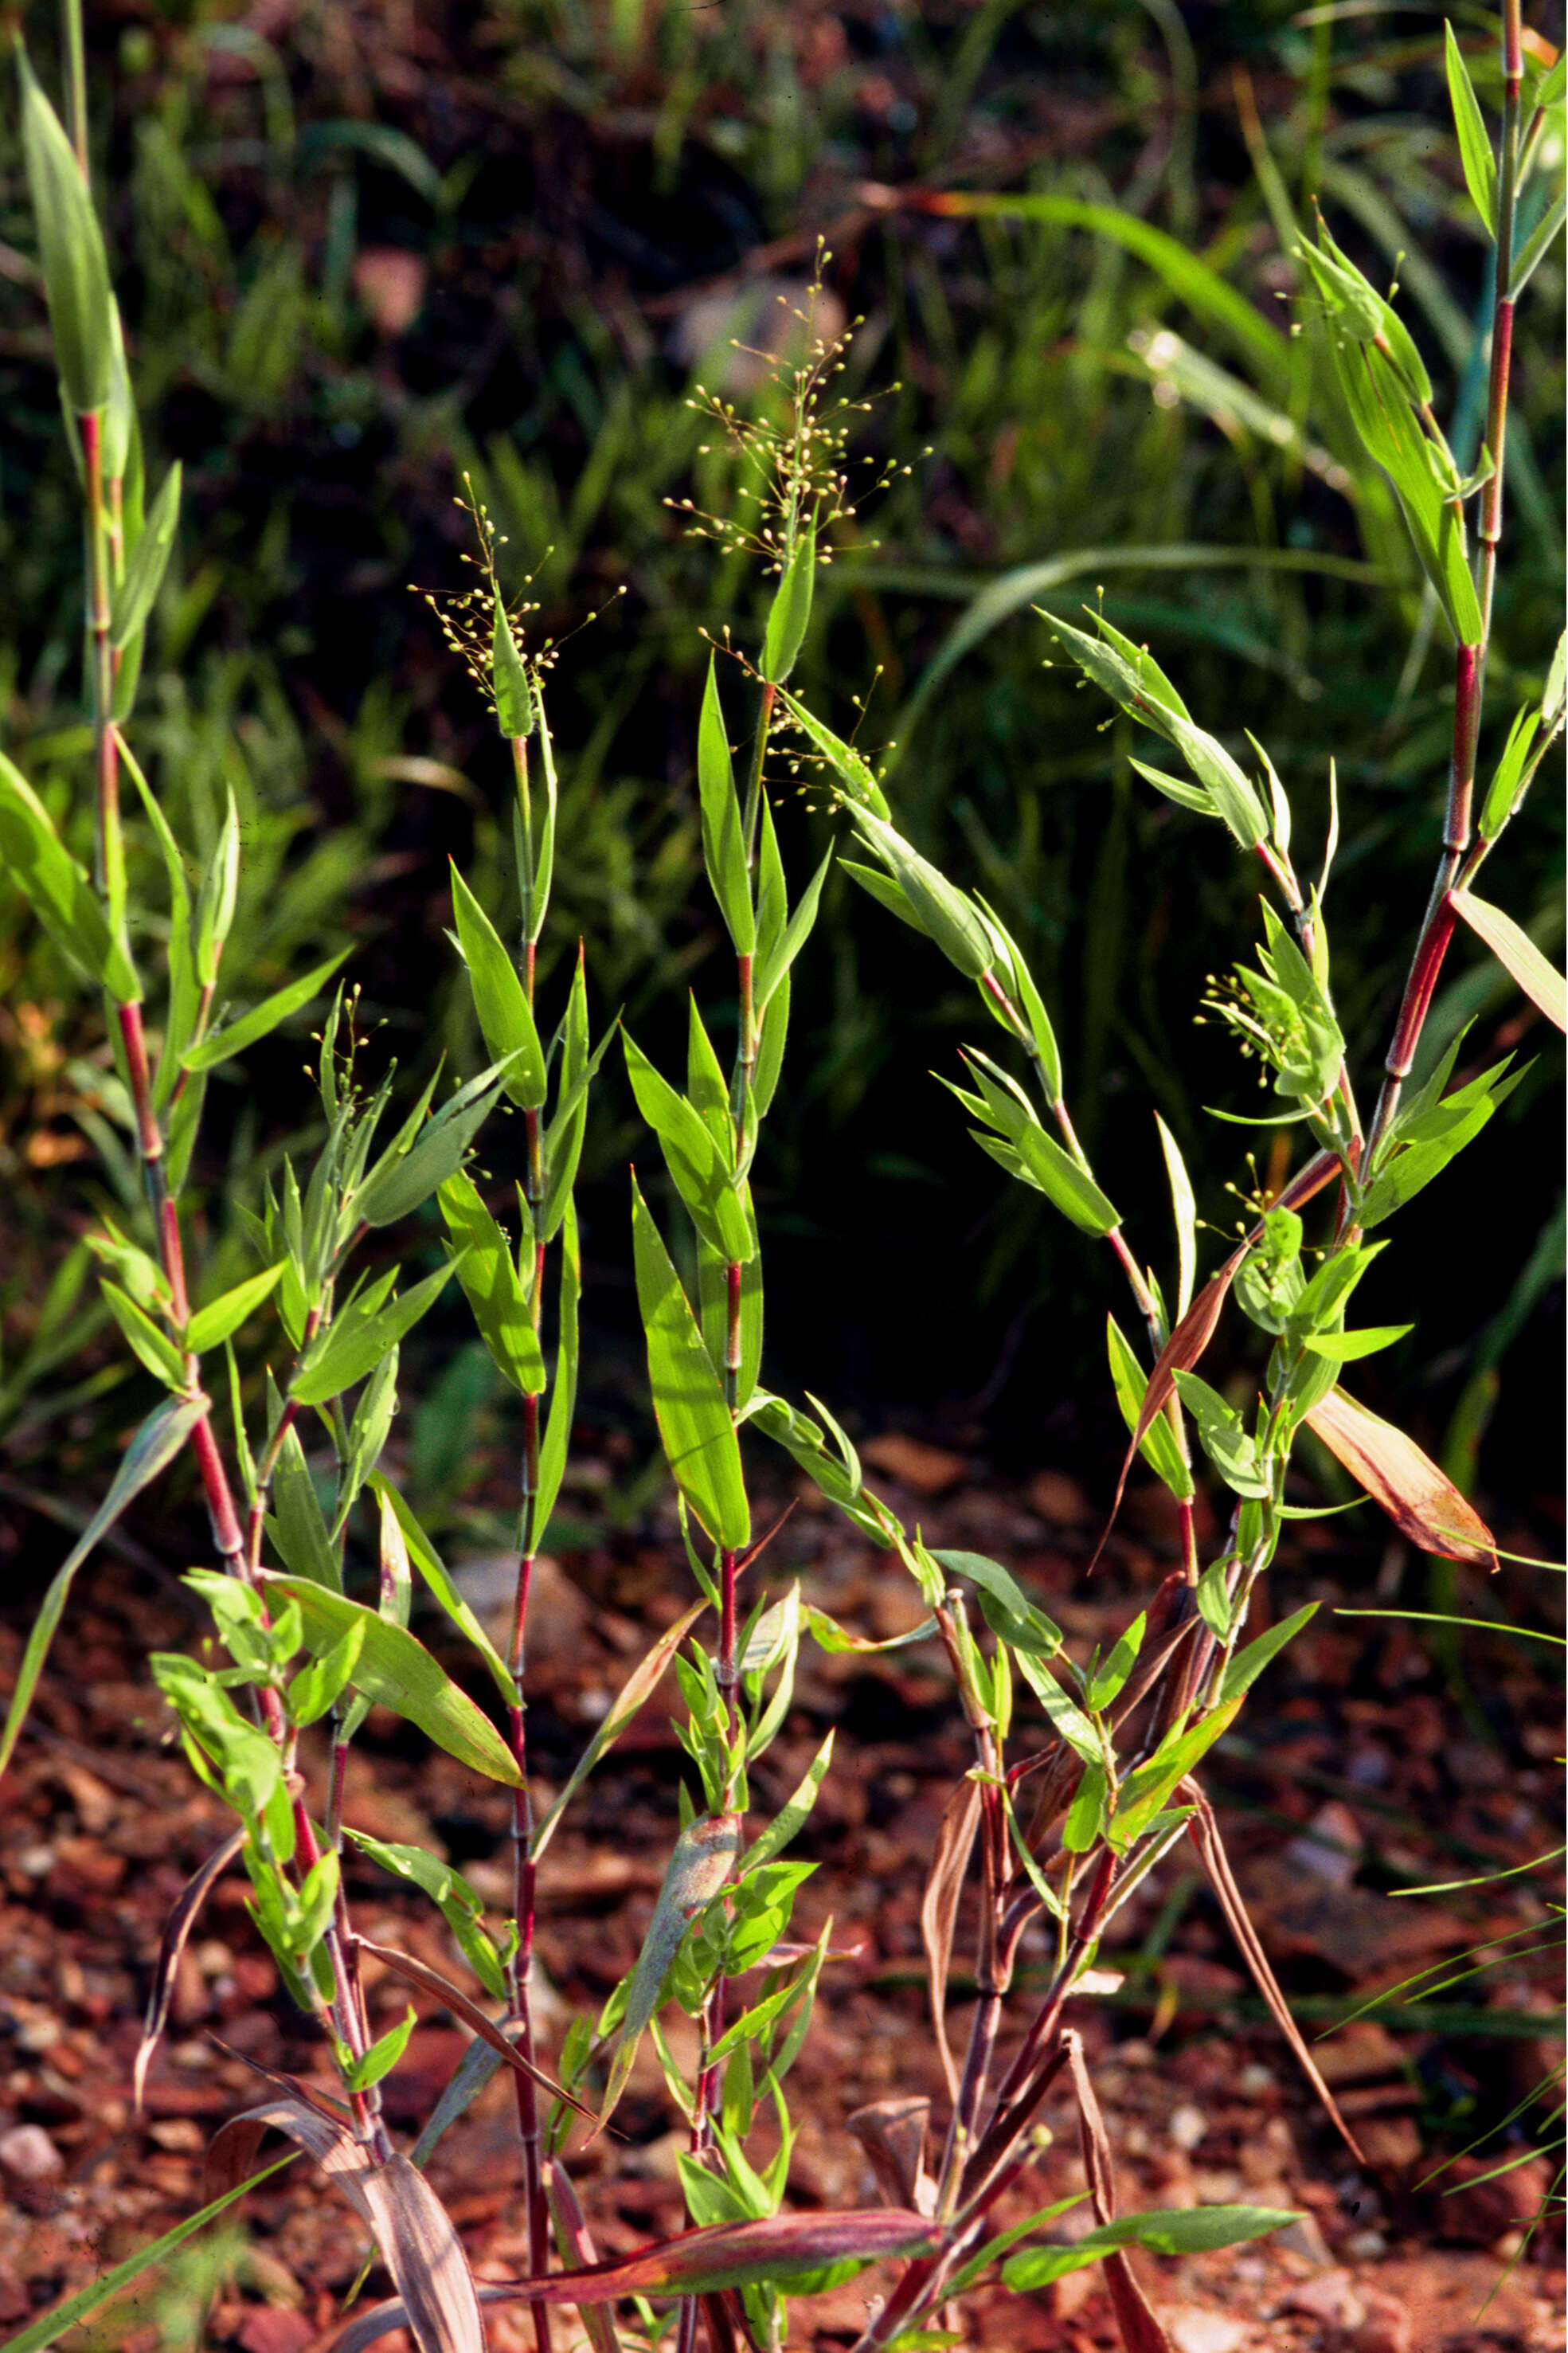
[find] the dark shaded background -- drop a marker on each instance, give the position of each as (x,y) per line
(361,250)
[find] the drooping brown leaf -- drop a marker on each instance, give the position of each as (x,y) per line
(1137,2323)
(176,1933)
(736,2254)
(1423,1503)
(938,1908)
(893,2135)
(1192,1336)
(410,2226)
(1517,953)
(639,1685)
(575,2241)
(420,1973)
(1204,1831)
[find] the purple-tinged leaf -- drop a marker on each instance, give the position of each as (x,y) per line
(1422,1501)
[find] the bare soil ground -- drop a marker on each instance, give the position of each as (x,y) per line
(1360,1770)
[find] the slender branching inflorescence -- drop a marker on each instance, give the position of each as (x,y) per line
(1061,1818)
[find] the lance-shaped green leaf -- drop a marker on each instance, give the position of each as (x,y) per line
(1006,1608)
(1222,1437)
(1158,1444)
(853,771)
(694,1424)
(790,612)
(356,1340)
(181,1016)
(941,911)
(492,1285)
(70,251)
(699,1869)
(1183,1208)
(1344,1346)
(1107,1678)
(459,1903)
(723,843)
(773,967)
(885,890)
(211,1325)
(1144,1793)
(298,1525)
(1503,792)
(637,1689)
(154,1446)
(694,1159)
(432,1568)
(505,1017)
(514,702)
(152,1345)
(1475,147)
(792,1815)
(1177,789)
(215,905)
(836,1475)
(1516,952)
(143,575)
(222,1045)
(564,1389)
(1027,1151)
(1539,241)
(322,1682)
(1429,1133)
(1231,797)
(1247,1666)
(1041,1039)
(57,889)
(403,1178)
(563,1136)
(1067,1721)
(1183,2230)
(1380,411)
(396,1671)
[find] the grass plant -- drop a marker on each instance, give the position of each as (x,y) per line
(1084,1778)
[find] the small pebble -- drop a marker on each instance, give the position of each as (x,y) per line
(1255,2080)
(27,2154)
(1188,2127)
(1365,2246)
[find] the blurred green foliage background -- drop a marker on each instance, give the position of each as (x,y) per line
(363,250)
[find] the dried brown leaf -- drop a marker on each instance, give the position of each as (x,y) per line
(1422,1501)
(893,2135)
(1136,2321)
(578,2252)
(1192,1336)
(176,1933)
(410,2225)
(938,1908)
(429,1980)
(1204,1830)
(701,2262)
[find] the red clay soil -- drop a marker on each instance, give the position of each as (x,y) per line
(1356,1769)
